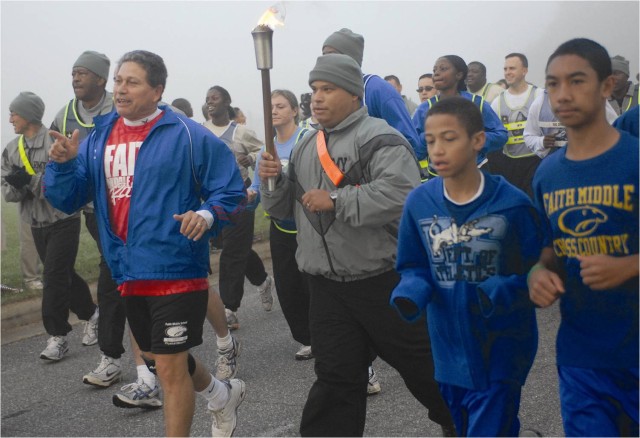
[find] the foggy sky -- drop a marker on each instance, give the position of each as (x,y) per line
(209,43)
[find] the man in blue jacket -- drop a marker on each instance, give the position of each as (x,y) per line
(154,234)
(381,99)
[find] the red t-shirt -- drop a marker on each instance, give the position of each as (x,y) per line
(120,157)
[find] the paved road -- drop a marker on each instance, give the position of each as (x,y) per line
(49,399)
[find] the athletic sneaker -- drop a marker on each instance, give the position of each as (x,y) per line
(232,319)
(56,348)
(227,364)
(304,353)
(107,373)
(373,386)
(138,395)
(265,294)
(91,330)
(224,420)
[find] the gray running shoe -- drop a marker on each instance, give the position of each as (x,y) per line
(91,330)
(138,395)
(227,364)
(304,353)
(225,420)
(265,294)
(106,374)
(373,386)
(232,319)
(57,347)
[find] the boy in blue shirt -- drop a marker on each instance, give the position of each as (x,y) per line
(587,194)
(466,242)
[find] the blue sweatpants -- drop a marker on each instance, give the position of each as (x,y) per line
(492,412)
(599,402)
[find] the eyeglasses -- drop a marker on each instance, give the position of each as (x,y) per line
(427,88)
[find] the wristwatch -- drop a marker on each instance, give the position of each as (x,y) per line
(333,196)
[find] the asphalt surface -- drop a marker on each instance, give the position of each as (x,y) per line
(49,399)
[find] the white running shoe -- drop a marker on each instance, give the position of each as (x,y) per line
(304,353)
(265,294)
(232,319)
(373,386)
(227,364)
(106,374)
(224,420)
(57,347)
(138,395)
(91,330)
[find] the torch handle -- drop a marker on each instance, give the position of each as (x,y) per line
(266,107)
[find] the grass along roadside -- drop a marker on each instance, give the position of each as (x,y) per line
(86,261)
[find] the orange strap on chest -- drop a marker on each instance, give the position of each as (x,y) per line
(335,174)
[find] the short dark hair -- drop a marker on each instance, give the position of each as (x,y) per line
(483,69)
(151,63)
(225,94)
(523,59)
(595,54)
(467,113)
(426,75)
(460,66)
(184,105)
(392,78)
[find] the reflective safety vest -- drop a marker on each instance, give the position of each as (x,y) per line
(514,120)
(630,100)
(549,123)
(72,121)
(426,172)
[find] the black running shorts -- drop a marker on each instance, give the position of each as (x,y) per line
(167,324)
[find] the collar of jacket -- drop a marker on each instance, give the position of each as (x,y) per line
(351,119)
(108,119)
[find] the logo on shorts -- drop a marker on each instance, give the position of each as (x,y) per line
(175,333)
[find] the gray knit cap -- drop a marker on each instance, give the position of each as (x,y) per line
(347,42)
(619,63)
(94,61)
(28,106)
(340,70)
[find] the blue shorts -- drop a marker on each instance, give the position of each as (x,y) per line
(492,412)
(167,324)
(599,402)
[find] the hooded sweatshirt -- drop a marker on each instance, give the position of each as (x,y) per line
(469,273)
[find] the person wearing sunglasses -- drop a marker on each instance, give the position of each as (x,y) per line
(426,90)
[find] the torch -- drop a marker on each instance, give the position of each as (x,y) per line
(262,41)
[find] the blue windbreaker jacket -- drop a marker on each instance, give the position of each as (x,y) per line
(181,166)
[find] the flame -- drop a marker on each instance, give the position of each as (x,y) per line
(273,17)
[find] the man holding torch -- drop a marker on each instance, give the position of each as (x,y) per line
(346,185)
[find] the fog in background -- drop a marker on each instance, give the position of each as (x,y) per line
(209,43)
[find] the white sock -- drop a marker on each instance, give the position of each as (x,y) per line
(146,376)
(95,315)
(217,394)
(224,343)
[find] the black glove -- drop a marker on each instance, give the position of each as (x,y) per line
(18,178)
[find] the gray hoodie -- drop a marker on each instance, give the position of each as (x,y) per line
(34,209)
(358,240)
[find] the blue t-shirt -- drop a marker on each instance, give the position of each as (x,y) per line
(591,207)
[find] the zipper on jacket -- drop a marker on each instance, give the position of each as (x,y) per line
(324,241)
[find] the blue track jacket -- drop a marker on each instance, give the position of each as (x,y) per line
(495,131)
(471,279)
(179,164)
